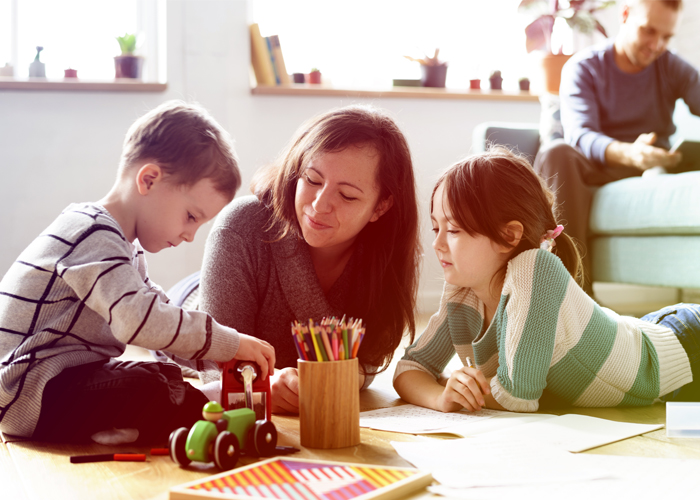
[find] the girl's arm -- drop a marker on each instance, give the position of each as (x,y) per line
(466,388)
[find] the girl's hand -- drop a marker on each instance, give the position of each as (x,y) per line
(464,389)
(254,349)
(285,391)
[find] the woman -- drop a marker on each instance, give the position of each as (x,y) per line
(332,230)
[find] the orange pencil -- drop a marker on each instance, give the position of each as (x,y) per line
(334,344)
(326,343)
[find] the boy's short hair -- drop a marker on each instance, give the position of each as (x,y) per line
(187,143)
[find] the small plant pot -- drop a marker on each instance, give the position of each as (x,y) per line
(496,83)
(475,84)
(128,66)
(70,73)
(434,76)
(298,77)
(314,77)
(524,85)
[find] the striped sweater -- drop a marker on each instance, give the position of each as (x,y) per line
(78,294)
(547,333)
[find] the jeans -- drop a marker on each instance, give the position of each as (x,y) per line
(684,321)
(149,396)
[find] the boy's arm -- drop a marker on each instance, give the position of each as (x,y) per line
(100,272)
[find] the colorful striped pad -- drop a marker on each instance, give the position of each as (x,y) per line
(297,480)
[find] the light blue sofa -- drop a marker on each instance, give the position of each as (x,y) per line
(646,231)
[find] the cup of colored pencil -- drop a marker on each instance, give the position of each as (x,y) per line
(329,394)
(332,339)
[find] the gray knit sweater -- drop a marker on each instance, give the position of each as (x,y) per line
(78,294)
(258,286)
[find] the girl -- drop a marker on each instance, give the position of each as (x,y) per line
(513,303)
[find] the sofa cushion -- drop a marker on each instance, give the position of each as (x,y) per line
(672,261)
(658,205)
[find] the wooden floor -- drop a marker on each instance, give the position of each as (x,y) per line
(34,470)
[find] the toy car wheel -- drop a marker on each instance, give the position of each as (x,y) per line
(265,438)
(226,451)
(178,447)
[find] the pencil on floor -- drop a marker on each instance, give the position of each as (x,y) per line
(108,457)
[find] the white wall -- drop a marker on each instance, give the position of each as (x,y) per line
(61,147)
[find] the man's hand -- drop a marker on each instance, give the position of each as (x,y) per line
(464,389)
(254,349)
(285,391)
(641,154)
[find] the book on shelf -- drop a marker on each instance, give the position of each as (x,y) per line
(260,58)
(278,60)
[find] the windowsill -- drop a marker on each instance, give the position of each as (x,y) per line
(303,89)
(73,84)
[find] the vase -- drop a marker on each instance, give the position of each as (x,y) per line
(314,77)
(128,66)
(433,76)
(551,67)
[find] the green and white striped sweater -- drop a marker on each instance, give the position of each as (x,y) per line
(548,333)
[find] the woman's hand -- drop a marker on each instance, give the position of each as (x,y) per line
(464,389)
(254,349)
(285,391)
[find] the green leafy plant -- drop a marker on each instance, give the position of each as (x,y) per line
(578,14)
(127,44)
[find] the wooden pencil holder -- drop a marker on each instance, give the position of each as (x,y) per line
(329,403)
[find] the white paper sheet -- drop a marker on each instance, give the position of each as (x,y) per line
(571,432)
(576,433)
(489,461)
(637,478)
(412,419)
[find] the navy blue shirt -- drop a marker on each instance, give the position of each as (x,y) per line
(600,103)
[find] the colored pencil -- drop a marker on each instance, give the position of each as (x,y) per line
(108,457)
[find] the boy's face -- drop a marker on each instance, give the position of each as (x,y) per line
(170,214)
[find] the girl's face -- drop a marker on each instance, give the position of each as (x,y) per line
(338,195)
(467,261)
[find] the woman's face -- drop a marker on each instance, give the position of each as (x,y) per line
(337,195)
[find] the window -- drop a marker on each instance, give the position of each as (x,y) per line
(80,34)
(362,43)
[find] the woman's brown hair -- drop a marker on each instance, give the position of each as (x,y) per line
(389,261)
(486,191)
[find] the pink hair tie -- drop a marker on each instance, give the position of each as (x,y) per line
(547,242)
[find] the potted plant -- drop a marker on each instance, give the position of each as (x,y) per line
(495,80)
(579,16)
(524,83)
(314,76)
(475,83)
(433,71)
(127,65)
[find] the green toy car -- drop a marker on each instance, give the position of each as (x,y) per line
(223,435)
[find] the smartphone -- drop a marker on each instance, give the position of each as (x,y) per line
(691,155)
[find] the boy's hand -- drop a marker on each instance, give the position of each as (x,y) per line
(285,391)
(464,389)
(254,349)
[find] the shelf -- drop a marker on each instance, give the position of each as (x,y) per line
(303,89)
(75,84)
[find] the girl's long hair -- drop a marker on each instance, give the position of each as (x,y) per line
(486,191)
(389,266)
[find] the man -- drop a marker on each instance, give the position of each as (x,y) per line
(617,102)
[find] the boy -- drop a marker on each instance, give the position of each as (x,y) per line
(80,292)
